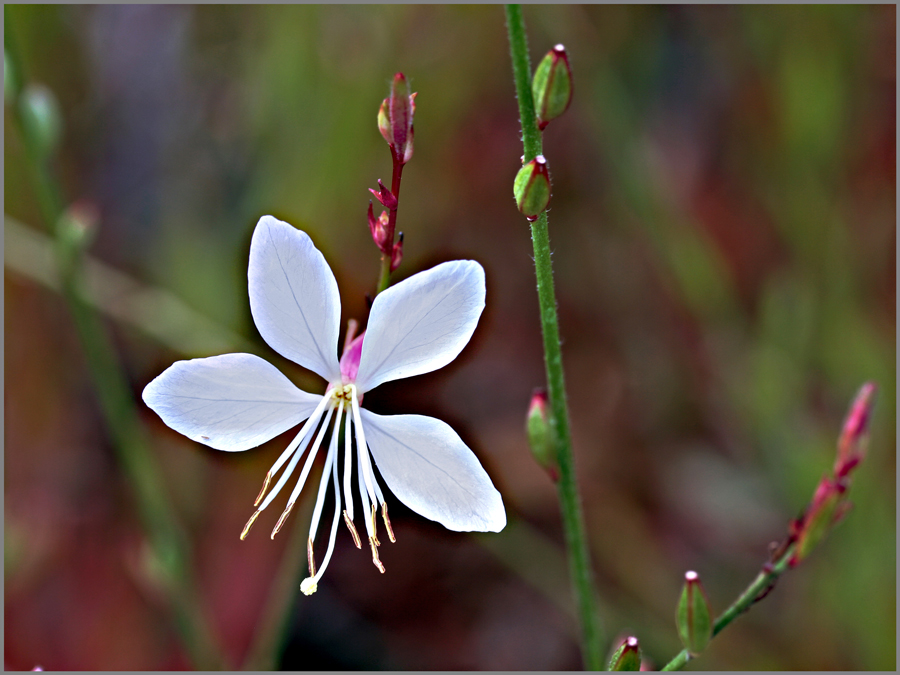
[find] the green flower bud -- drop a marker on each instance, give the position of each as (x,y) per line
(627,656)
(693,617)
(42,117)
(552,86)
(532,188)
(539,439)
(395,119)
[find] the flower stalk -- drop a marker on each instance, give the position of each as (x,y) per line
(167,540)
(567,487)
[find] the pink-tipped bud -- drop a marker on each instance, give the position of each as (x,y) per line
(552,86)
(693,617)
(540,441)
(627,656)
(385,196)
(378,228)
(532,188)
(395,119)
(397,253)
(854,440)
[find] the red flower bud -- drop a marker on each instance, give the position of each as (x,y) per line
(854,438)
(385,196)
(395,119)
(397,253)
(378,228)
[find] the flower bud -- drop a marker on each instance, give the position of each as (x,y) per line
(539,439)
(41,114)
(627,656)
(377,226)
(385,196)
(820,516)
(532,188)
(397,253)
(552,86)
(77,226)
(395,119)
(693,617)
(854,438)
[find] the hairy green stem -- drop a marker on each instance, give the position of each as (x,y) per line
(567,486)
(167,540)
(756,591)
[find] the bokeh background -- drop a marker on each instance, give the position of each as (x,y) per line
(723,226)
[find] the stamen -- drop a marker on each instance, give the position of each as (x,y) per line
(352,529)
(330,458)
(263,491)
(348,470)
(374,526)
(361,447)
(249,524)
(281,520)
(310,558)
(311,456)
(375,559)
(387,522)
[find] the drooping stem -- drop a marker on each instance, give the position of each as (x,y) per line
(567,486)
(758,589)
(167,540)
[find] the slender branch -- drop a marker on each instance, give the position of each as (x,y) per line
(166,537)
(567,486)
(755,592)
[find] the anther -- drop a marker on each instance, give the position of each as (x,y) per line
(282,519)
(387,522)
(264,488)
(310,558)
(352,529)
(249,524)
(373,545)
(374,522)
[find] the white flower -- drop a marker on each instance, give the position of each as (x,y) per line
(238,401)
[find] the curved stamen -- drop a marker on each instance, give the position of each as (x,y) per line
(305,472)
(309,585)
(310,423)
(326,476)
(297,444)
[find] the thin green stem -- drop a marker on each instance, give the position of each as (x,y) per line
(755,592)
(567,486)
(167,540)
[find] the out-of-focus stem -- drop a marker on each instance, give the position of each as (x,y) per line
(753,593)
(166,538)
(567,486)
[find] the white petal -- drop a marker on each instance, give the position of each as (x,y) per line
(293,297)
(428,467)
(229,402)
(422,323)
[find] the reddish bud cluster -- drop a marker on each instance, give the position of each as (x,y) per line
(829,503)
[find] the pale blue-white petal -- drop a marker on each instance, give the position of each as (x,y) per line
(422,323)
(428,467)
(293,297)
(229,402)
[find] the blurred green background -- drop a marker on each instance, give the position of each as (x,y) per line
(723,226)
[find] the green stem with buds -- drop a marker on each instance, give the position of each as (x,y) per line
(567,487)
(166,538)
(756,591)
